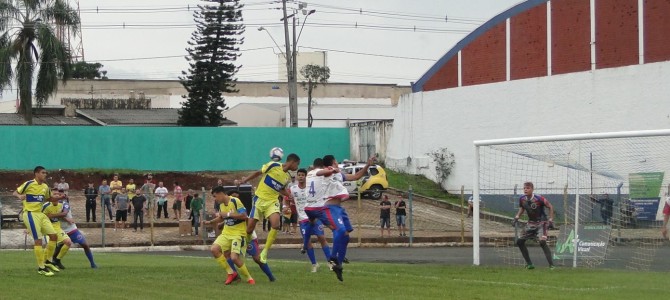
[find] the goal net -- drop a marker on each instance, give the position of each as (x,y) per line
(608,192)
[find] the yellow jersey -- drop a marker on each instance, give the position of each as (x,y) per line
(116,186)
(273,181)
(50,208)
(130,188)
(35,193)
(233,227)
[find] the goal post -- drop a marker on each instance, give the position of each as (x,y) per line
(579,172)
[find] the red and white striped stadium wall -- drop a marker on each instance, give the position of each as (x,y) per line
(607,69)
(542,38)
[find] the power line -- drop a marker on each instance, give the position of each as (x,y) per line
(318,25)
(369,54)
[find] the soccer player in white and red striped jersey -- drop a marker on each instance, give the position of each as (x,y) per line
(326,190)
(299,194)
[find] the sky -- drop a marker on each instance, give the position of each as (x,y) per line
(368,41)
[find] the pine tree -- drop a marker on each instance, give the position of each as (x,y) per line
(214,48)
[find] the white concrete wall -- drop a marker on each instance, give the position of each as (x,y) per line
(8,107)
(327,112)
(249,115)
(303,58)
(617,99)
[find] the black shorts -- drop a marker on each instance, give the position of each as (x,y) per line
(294,219)
(535,230)
(121,215)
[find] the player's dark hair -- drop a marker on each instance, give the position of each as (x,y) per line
(38,169)
(292,157)
(328,160)
(302,171)
(218,189)
(176,183)
(196,195)
(318,162)
(528,184)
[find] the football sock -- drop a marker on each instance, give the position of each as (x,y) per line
(267,271)
(51,248)
(547,253)
(57,251)
(524,251)
(231,264)
(271,240)
(338,243)
(89,255)
(63,251)
(243,270)
(343,251)
(221,260)
(310,253)
(39,256)
(326,251)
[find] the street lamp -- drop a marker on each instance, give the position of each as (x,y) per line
(273,40)
(306,14)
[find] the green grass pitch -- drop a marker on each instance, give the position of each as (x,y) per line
(144,276)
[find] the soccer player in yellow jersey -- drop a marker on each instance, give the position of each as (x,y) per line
(33,193)
(266,200)
(55,211)
(231,243)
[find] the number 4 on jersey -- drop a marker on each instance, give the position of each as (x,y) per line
(312,191)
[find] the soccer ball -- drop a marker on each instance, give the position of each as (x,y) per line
(276,153)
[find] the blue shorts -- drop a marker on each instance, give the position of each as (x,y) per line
(333,216)
(77,237)
(252,248)
(307,229)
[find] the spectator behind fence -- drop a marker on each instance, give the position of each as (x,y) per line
(130,189)
(138,201)
(400,215)
(385,215)
(121,209)
(90,193)
(161,194)
(148,191)
(116,186)
(196,207)
(606,207)
(178,198)
(62,185)
(187,202)
(105,198)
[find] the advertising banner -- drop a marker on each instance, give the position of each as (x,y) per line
(645,192)
(593,242)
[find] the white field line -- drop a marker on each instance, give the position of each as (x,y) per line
(529,285)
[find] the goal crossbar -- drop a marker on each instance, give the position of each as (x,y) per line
(574,137)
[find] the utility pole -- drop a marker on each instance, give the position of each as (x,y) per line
(290,73)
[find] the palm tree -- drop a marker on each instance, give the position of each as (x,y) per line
(28,41)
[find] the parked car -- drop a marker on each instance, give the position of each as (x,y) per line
(371,185)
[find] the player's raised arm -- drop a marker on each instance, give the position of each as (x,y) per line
(327,172)
(252,176)
(362,172)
